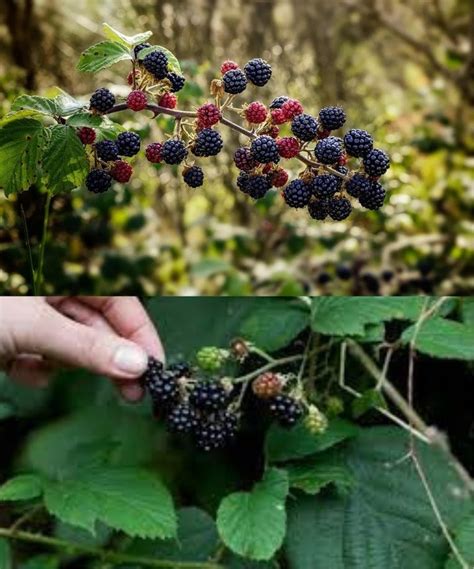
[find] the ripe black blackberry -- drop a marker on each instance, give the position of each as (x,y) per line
(156,63)
(372,197)
(242,181)
(107,150)
(234,81)
(102,100)
(304,127)
(162,387)
(230,424)
(128,143)
(258,71)
(332,118)
(180,369)
(376,162)
(344,272)
(193,176)
(177,81)
(357,184)
(339,208)
(278,102)
(208,143)
(264,149)
(137,49)
(209,435)
(325,185)
(297,193)
(243,159)
(318,209)
(257,186)
(208,396)
(173,151)
(358,142)
(182,419)
(286,410)
(98,181)
(329,150)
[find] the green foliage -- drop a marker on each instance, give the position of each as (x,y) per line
(23,487)
(173,62)
(128,41)
(252,523)
(464,540)
(102,55)
(370,398)
(5,555)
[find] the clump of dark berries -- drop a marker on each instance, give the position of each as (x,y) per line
(173,151)
(182,419)
(161,384)
(376,162)
(325,185)
(234,81)
(297,193)
(332,118)
(318,209)
(137,49)
(286,410)
(98,181)
(358,142)
(258,71)
(156,63)
(128,143)
(102,100)
(339,208)
(243,159)
(372,197)
(357,184)
(278,102)
(257,186)
(107,150)
(193,176)
(264,149)
(304,127)
(177,81)
(208,396)
(329,150)
(208,143)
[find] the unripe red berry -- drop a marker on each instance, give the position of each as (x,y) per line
(323,134)
(256,112)
(343,160)
(266,385)
(292,108)
(272,131)
(267,168)
(153,152)
(278,116)
(86,135)
(121,171)
(208,115)
(288,146)
(137,101)
(228,65)
(279,177)
(130,76)
(243,159)
(168,101)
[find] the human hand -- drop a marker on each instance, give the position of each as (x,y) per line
(111,336)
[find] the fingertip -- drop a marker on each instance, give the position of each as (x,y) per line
(132,393)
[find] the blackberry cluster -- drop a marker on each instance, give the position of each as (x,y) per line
(102,100)
(98,181)
(173,151)
(297,193)
(193,176)
(286,410)
(208,143)
(156,63)
(258,71)
(264,149)
(234,81)
(177,81)
(128,143)
(304,127)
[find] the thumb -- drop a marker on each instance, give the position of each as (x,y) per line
(100,351)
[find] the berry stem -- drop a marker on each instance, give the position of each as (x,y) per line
(267,367)
(177,113)
(39,271)
(103,554)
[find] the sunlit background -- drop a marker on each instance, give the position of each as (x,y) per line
(404,70)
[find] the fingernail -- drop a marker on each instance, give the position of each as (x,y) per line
(130,360)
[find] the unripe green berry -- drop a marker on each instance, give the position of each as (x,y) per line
(211,358)
(334,406)
(315,421)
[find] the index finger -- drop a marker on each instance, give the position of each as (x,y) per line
(130,320)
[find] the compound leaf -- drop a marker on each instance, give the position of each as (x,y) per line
(252,524)
(22,144)
(102,55)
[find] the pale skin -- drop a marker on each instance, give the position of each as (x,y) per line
(110,336)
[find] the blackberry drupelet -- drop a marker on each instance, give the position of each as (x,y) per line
(102,100)
(318,209)
(357,184)
(358,142)
(173,151)
(234,81)
(128,143)
(107,150)
(339,208)
(332,118)
(208,396)
(98,181)
(193,176)
(297,193)
(208,143)
(156,63)
(177,81)
(329,150)
(373,197)
(264,149)
(286,410)
(258,71)
(376,162)
(325,185)
(304,127)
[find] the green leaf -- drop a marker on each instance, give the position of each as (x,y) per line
(67,104)
(84,119)
(128,41)
(21,148)
(442,338)
(349,315)
(370,399)
(102,55)
(65,160)
(288,444)
(18,115)
(467,311)
(317,472)
(5,555)
(22,487)
(386,521)
(173,63)
(252,524)
(274,323)
(196,541)
(41,562)
(127,499)
(43,105)
(464,540)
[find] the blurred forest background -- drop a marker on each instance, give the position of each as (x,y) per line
(402,69)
